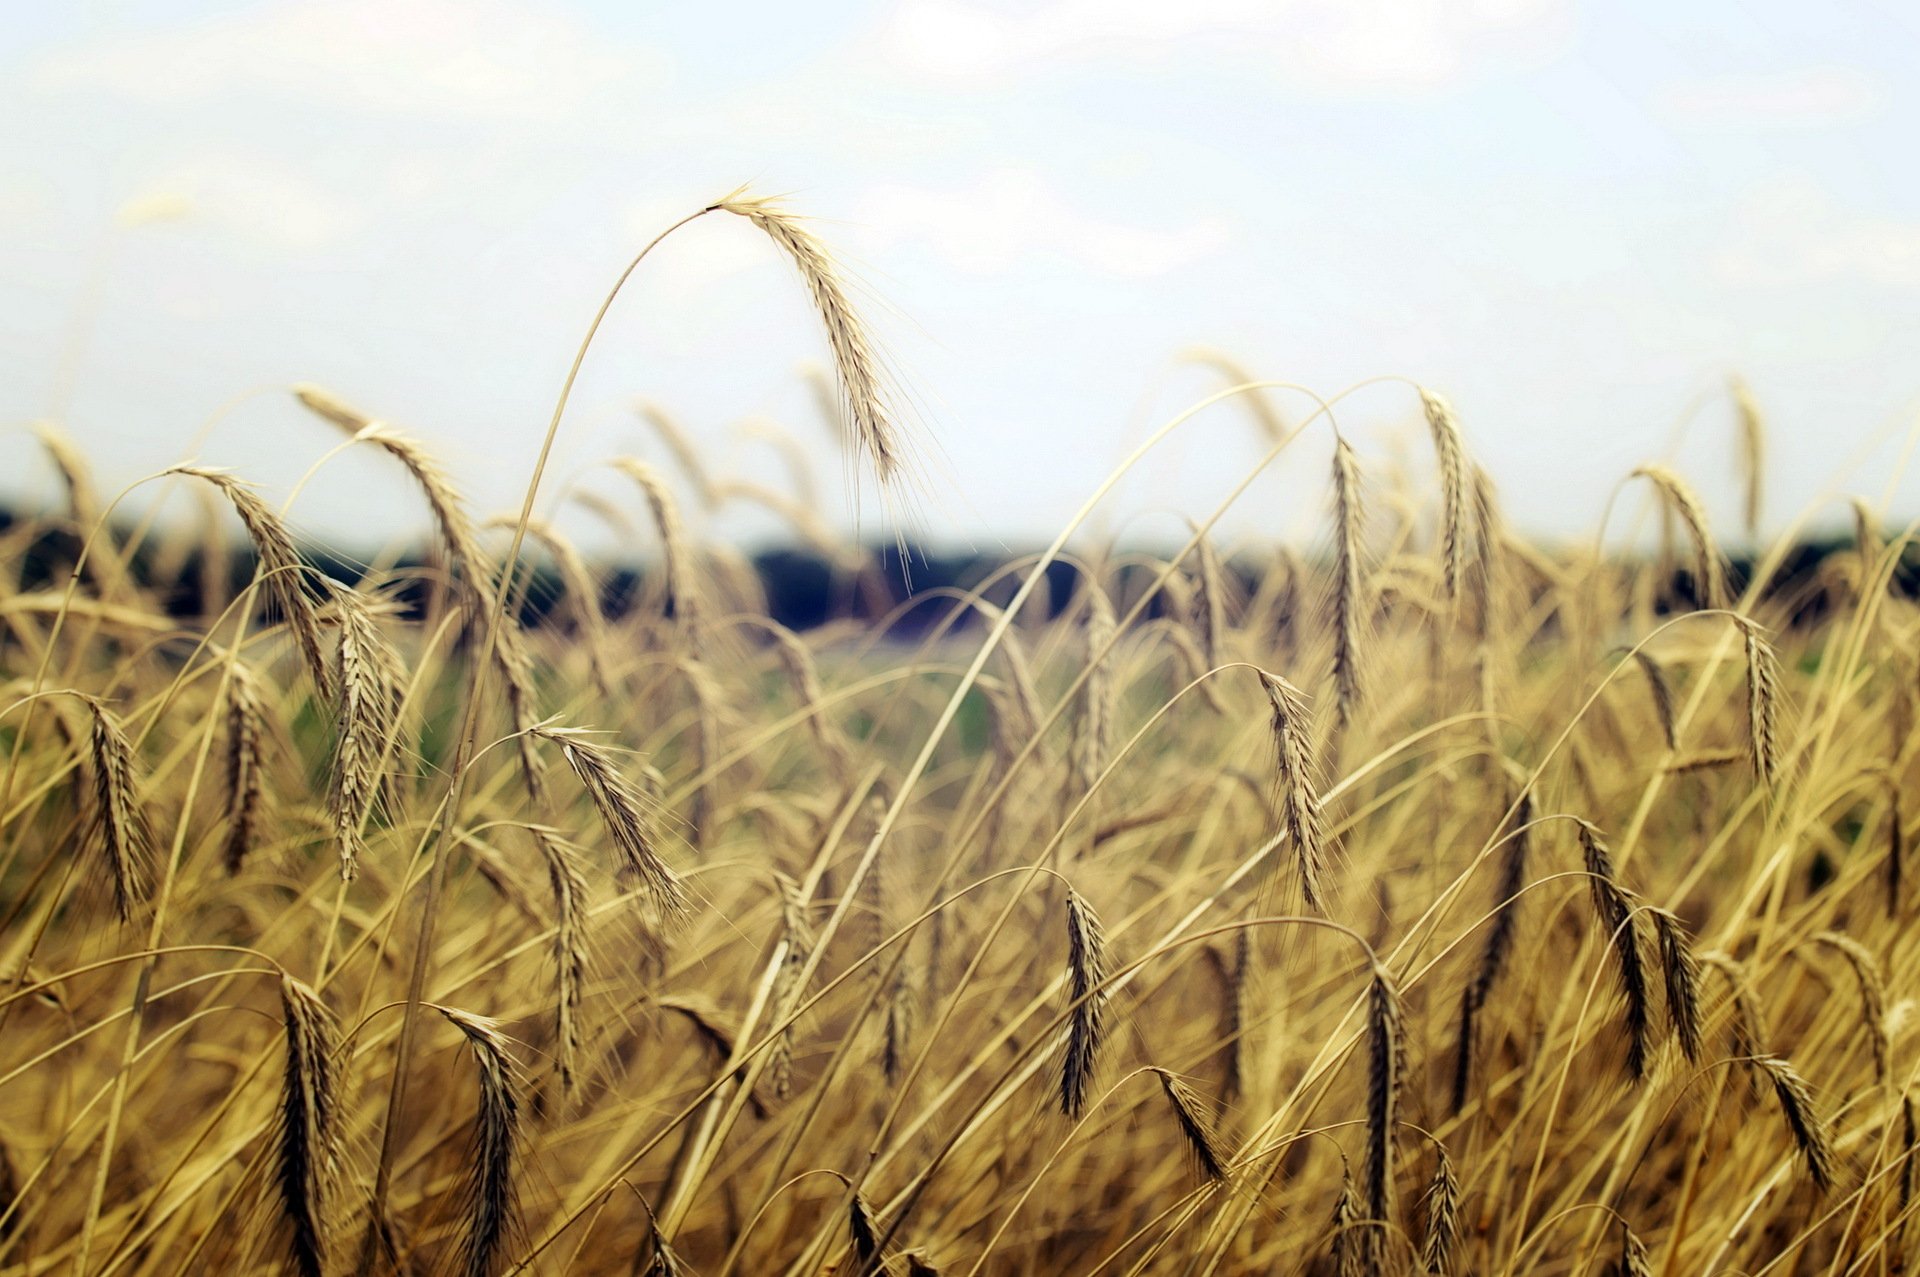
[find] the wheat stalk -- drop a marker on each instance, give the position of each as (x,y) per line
(1763,697)
(1386,1069)
(1752,452)
(119,821)
(1873,996)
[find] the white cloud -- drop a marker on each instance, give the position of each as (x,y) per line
(1338,44)
(991,225)
(1809,97)
(1796,234)
(447,58)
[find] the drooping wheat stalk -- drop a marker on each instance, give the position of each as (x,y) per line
(866,397)
(1662,693)
(568,882)
(1500,935)
(683,597)
(680,444)
(282,572)
(1873,997)
(1093,741)
(1709,571)
(1348,606)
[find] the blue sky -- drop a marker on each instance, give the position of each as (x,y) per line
(1575,220)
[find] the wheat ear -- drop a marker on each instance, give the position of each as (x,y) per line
(1441,1217)
(1093,742)
(1680,972)
(1710,576)
(488,1191)
(682,579)
(1195,1126)
(1618,920)
(1297,783)
(1804,1123)
(1348,607)
(281,569)
(1662,694)
(1763,698)
(118,820)
(1873,996)
(1451,451)
(246,732)
(1086,1025)
(369,676)
(1500,934)
(866,397)
(1386,1063)
(624,814)
(309,1136)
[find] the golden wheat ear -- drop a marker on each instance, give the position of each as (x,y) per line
(487,1190)
(1196,1128)
(310,1136)
(119,820)
(869,403)
(283,574)
(1440,1217)
(1297,783)
(1086,1026)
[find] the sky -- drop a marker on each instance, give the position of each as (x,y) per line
(1577,221)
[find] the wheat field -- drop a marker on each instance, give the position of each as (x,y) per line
(1417,900)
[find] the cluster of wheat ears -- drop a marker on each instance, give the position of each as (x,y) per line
(1425,901)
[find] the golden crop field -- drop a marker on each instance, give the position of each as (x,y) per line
(1417,900)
